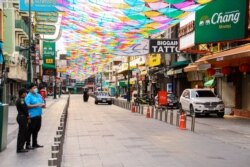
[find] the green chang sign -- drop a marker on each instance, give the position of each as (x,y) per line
(221,20)
(49,53)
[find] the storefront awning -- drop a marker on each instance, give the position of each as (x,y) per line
(190,68)
(144,72)
(173,72)
(122,83)
(210,83)
(236,53)
(177,64)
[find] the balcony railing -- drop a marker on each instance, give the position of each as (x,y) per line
(22,25)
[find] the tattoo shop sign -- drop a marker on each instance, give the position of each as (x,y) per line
(164,46)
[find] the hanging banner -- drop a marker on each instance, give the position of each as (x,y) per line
(38,5)
(221,21)
(164,46)
(139,49)
(49,54)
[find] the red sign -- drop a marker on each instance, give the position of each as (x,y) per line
(162,97)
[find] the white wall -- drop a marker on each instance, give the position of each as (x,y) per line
(228,93)
(246,92)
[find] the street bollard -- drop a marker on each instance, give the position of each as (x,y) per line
(54,154)
(60,128)
(156,113)
(142,110)
(59,132)
(52,162)
(152,115)
(62,124)
(62,119)
(171,117)
(161,114)
(57,138)
(166,116)
(185,117)
(177,118)
(57,143)
(55,147)
(193,122)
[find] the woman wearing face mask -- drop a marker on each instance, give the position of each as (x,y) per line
(35,103)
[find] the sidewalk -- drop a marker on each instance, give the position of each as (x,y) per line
(38,157)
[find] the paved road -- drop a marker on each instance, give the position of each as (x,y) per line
(109,136)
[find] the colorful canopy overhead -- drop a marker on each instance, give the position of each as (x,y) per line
(97,29)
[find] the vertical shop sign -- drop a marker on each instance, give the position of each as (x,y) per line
(49,54)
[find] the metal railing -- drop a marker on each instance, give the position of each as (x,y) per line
(57,147)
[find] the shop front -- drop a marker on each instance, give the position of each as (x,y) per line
(231,68)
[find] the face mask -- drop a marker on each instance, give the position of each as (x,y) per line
(36,90)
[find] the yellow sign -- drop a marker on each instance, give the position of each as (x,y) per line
(49,61)
(154,60)
(62,69)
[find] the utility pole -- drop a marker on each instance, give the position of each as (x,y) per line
(29,51)
(55,84)
(137,79)
(101,81)
(128,93)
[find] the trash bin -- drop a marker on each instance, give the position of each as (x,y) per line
(3,125)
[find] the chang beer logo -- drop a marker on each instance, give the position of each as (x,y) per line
(221,18)
(205,20)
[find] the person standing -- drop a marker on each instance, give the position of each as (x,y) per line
(22,120)
(35,103)
(43,93)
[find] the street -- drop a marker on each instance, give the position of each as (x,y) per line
(104,135)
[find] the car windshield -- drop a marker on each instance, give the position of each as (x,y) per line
(171,96)
(102,94)
(202,93)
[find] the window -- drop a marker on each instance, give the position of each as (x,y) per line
(203,93)
(103,94)
(186,94)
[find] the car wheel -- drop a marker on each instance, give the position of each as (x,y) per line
(110,103)
(96,102)
(220,114)
(191,110)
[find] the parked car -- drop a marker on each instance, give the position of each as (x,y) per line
(172,101)
(201,101)
(102,97)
